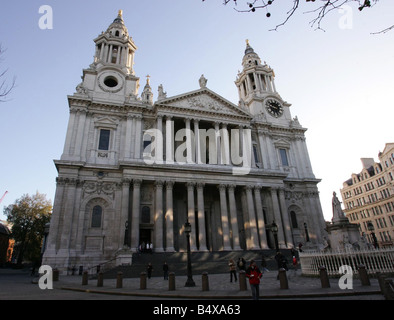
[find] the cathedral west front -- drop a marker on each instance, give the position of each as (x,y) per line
(135,169)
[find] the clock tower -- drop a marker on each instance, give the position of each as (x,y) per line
(257,91)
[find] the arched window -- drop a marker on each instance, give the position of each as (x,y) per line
(145,215)
(97,216)
(293,218)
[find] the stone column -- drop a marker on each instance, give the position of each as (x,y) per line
(217,142)
(159,223)
(127,140)
(159,142)
(252,242)
(278,218)
(198,142)
(201,217)
(225,145)
(189,152)
(169,217)
(233,217)
(125,212)
(169,140)
(190,214)
(224,214)
(260,218)
(285,219)
(135,217)
(138,137)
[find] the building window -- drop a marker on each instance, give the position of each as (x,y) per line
(283,157)
(145,215)
(97,216)
(104,139)
(293,218)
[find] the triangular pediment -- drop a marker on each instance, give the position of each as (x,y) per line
(202,101)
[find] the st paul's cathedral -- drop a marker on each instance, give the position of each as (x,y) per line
(134,170)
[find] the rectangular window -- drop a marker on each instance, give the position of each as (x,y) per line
(283,157)
(104,139)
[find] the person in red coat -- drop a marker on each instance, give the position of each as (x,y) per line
(254,275)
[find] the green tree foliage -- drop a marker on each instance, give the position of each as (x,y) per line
(28,216)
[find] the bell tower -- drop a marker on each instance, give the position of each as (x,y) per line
(111,76)
(257,90)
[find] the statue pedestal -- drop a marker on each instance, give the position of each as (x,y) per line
(124,257)
(343,234)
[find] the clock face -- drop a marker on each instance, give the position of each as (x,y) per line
(274,107)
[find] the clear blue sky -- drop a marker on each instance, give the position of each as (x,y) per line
(340,82)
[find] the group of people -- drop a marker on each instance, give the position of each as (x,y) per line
(149,269)
(253,272)
(145,247)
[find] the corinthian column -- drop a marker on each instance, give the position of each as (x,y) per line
(252,242)
(135,218)
(159,217)
(169,217)
(233,217)
(201,217)
(223,210)
(190,214)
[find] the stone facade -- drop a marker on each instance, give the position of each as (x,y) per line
(368,197)
(134,170)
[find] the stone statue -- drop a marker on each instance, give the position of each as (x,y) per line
(203,82)
(336,208)
(162,94)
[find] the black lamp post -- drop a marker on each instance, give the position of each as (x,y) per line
(372,229)
(274,230)
(189,281)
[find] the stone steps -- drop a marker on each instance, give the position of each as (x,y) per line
(211,262)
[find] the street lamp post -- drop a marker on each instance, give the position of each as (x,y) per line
(189,281)
(274,230)
(372,229)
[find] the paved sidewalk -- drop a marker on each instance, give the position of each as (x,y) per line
(221,287)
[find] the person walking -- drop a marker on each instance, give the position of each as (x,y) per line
(233,270)
(165,270)
(254,274)
(149,269)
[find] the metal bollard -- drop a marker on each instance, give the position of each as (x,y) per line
(242,281)
(143,281)
(362,272)
(55,275)
(85,278)
(171,281)
(325,282)
(119,280)
(284,284)
(205,281)
(100,279)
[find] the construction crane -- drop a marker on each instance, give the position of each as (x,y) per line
(3,196)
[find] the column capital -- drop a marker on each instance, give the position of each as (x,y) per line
(137,182)
(126,182)
(190,184)
(159,183)
(222,187)
(169,184)
(200,185)
(231,187)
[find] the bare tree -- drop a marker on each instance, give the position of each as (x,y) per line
(319,9)
(5,86)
